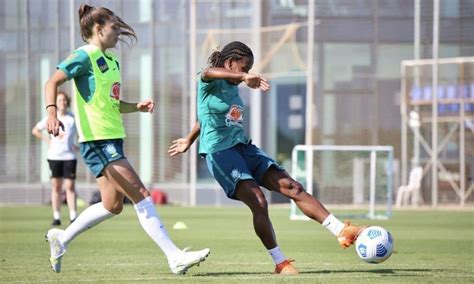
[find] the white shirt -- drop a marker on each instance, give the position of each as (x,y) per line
(61,147)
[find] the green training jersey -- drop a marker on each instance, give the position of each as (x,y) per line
(221,115)
(97,84)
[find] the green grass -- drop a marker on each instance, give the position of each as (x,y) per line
(430,246)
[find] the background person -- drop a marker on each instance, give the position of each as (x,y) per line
(61,158)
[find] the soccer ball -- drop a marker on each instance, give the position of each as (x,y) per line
(374,244)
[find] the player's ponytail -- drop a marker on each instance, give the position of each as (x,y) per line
(215,59)
(84,9)
(235,50)
(88,16)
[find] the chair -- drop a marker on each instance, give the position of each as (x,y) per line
(411,190)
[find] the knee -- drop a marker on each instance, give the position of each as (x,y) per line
(115,208)
(70,189)
(294,190)
(57,188)
(69,183)
(260,204)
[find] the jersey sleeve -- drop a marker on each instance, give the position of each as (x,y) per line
(206,86)
(76,64)
(41,125)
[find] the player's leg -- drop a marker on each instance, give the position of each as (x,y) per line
(112,202)
(278,180)
(249,192)
(124,179)
(110,206)
(70,187)
(56,188)
(96,160)
(229,169)
(272,176)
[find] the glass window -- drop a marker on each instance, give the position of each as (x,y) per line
(389,59)
(341,61)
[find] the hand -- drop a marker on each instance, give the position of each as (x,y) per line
(255,81)
(53,125)
(146,106)
(179,146)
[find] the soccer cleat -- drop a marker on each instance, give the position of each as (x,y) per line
(57,249)
(56,222)
(349,234)
(286,268)
(187,259)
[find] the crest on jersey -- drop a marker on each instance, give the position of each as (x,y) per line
(235,116)
(102,64)
(115,91)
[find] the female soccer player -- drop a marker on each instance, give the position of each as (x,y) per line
(98,108)
(239,166)
(61,158)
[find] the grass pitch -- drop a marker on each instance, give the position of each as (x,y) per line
(430,246)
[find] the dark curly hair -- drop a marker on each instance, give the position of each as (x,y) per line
(233,50)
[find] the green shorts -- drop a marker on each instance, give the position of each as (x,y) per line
(98,154)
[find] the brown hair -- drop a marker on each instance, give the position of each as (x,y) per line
(68,99)
(88,16)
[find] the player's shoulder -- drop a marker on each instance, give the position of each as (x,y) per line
(78,55)
(208,82)
(85,50)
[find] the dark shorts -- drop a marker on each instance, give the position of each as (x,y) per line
(98,154)
(63,168)
(241,162)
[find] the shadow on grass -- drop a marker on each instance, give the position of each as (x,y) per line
(384,272)
(375,271)
(229,273)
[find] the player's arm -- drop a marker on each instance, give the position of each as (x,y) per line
(254,81)
(143,106)
(38,134)
(215,73)
(51,91)
(73,66)
(181,145)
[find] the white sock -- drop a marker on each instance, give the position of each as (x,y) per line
(276,254)
(151,223)
(90,217)
(56,215)
(333,224)
(72,215)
